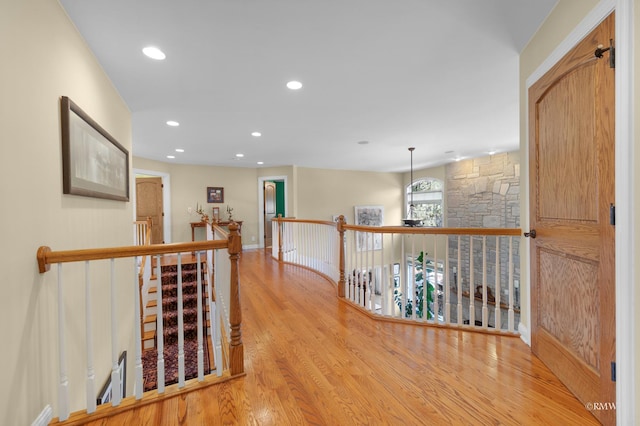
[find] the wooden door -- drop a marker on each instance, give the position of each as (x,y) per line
(149,204)
(571,159)
(269,211)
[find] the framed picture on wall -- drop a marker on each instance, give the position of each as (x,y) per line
(369,216)
(94,164)
(215,194)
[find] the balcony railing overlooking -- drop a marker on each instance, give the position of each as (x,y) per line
(116,272)
(454,277)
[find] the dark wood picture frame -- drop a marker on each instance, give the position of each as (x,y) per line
(94,164)
(215,194)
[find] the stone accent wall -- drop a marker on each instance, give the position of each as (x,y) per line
(484,193)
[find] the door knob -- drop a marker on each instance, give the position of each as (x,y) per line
(531,233)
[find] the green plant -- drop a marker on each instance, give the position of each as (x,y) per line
(419,299)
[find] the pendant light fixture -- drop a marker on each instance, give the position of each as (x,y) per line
(411,219)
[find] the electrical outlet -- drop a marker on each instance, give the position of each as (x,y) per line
(253,238)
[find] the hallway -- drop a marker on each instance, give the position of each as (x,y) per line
(313,359)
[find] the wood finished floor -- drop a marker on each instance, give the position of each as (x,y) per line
(312,359)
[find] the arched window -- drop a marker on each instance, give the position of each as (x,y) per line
(427,201)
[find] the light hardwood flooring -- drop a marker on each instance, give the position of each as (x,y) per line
(310,358)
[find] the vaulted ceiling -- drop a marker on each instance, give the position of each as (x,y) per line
(378,77)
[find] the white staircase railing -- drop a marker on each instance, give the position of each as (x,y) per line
(96,278)
(454,277)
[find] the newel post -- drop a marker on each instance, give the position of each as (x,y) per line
(236,349)
(341,282)
(279,237)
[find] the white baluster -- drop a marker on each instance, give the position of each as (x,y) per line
(511,312)
(137,327)
(404,279)
(91,376)
(180,300)
(63,386)
(485,308)
(200,328)
(459,281)
(498,289)
(472,299)
(447,283)
(116,396)
(159,327)
(436,286)
(414,298)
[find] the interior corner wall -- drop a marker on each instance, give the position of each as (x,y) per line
(45,58)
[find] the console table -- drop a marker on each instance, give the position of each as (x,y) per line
(195,225)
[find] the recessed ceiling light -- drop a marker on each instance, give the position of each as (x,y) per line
(256,134)
(171,156)
(154,53)
(294,85)
(239,155)
(179,150)
(491,152)
(260,162)
(172,123)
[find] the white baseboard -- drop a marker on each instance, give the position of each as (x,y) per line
(250,247)
(524,334)
(44,418)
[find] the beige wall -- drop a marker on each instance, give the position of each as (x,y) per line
(43,58)
(321,193)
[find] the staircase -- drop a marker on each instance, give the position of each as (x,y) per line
(169,280)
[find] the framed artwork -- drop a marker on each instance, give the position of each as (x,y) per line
(216,214)
(94,164)
(369,216)
(215,194)
(106,393)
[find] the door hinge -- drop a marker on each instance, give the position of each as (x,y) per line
(612,53)
(613,371)
(612,214)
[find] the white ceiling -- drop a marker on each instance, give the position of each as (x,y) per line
(440,75)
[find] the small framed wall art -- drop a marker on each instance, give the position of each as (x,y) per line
(215,194)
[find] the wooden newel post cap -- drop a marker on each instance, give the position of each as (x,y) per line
(43,265)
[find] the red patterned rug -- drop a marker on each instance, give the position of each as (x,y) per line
(170,328)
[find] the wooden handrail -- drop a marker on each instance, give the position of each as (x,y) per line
(411,230)
(46,256)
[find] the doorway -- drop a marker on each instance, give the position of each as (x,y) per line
(572,119)
(272,201)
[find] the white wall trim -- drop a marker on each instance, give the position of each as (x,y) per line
(44,417)
(261,181)
(625,251)
(166,199)
(525,334)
